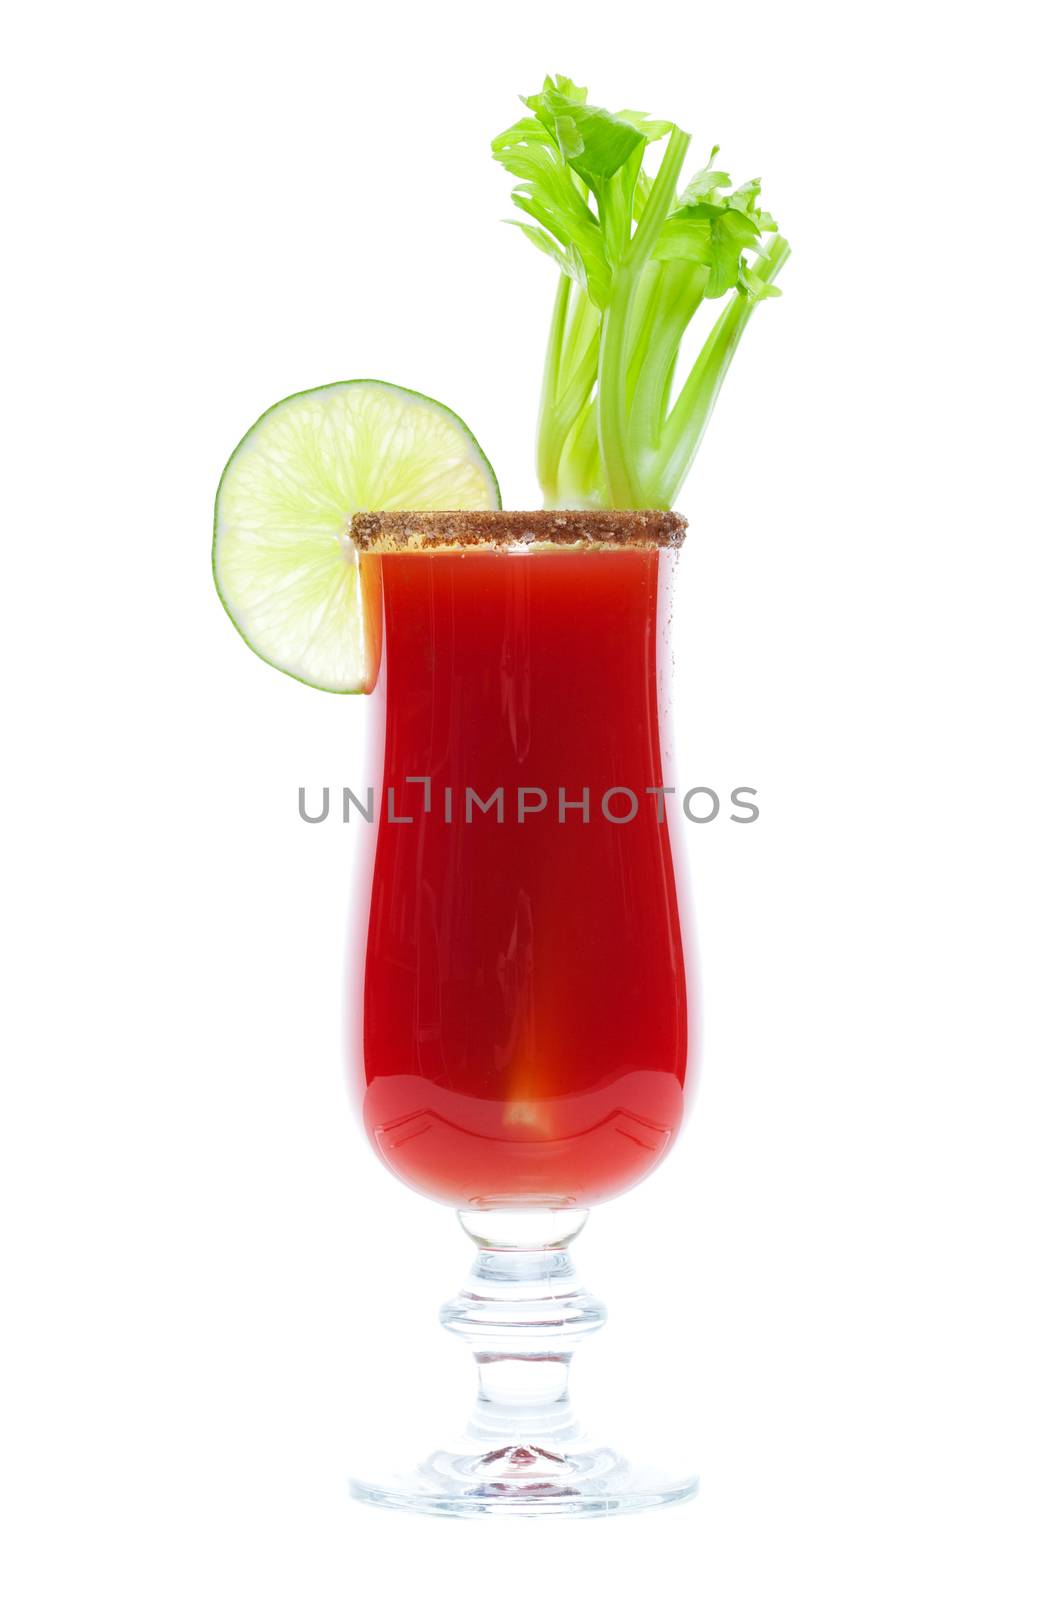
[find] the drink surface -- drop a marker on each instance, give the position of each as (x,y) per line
(522,1034)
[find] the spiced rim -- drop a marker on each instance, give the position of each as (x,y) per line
(389,531)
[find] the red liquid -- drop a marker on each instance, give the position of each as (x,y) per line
(524,1023)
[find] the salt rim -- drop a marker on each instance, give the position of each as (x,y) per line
(390,531)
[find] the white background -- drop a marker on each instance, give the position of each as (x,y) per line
(834,1292)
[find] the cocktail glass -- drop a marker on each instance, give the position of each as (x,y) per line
(519,1040)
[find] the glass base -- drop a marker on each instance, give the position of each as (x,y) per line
(523,1312)
(526,1480)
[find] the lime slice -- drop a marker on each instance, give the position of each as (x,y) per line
(285,568)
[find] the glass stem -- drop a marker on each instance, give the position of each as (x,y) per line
(522,1312)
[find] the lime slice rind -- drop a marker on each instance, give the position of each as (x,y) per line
(285,568)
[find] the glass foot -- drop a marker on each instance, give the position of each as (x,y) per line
(523,1312)
(526,1480)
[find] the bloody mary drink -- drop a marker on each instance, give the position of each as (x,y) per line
(523,1032)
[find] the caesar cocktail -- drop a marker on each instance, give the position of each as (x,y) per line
(519,1034)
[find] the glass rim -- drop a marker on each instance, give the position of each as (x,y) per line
(387,532)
